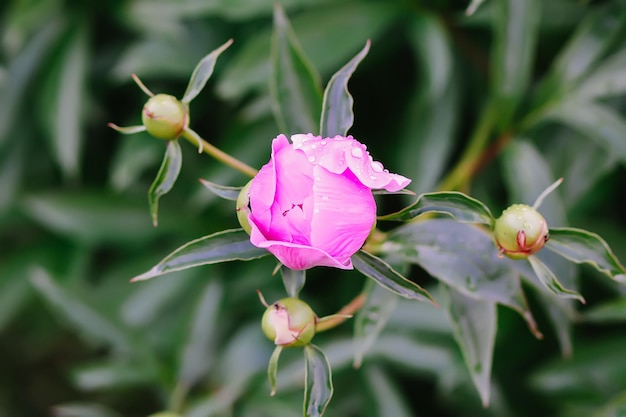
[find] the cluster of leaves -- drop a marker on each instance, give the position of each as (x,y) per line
(74,224)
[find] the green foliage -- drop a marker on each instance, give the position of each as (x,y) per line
(481,103)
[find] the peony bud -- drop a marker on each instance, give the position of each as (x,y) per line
(520,231)
(164,116)
(243,207)
(289,322)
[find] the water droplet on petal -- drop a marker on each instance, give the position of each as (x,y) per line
(356,152)
(311,159)
(377,166)
(313,146)
(323,143)
(373,177)
(324,197)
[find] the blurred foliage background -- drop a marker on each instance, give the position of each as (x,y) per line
(542,83)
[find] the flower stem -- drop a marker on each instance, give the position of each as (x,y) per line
(342,315)
(216,153)
(465,169)
(177,398)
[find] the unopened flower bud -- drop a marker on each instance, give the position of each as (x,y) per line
(164,116)
(289,322)
(243,207)
(520,231)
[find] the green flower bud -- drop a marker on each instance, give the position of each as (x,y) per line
(520,231)
(164,116)
(243,207)
(289,322)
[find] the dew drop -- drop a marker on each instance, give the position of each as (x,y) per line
(377,166)
(313,146)
(356,152)
(323,143)
(373,177)
(311,159)
(324,197)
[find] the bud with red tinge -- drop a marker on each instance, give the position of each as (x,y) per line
(520,231)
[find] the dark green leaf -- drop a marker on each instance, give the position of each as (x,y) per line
(464,257)
(133,157)
(227,193)
(294,84)
(581,246)
(272,368)
(550,281)
(166,177)
(202,73)
(613,311)
(81,316)
(595,121)
(21,71)
(387,396)
(83,410)
(599,29)
(197,354)
(337,116)
(318,389)
(293,280)
(383,274)
(344,28)
(462,207)
(64,105)
(607,80)
(515,34)
(371,318)
(474,324)
(431,119)
(228,245)
(105,375)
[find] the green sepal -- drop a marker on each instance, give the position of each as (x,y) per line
(166,177)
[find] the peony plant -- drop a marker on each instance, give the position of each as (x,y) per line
(313,205)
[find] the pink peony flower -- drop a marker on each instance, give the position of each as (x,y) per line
(312,204)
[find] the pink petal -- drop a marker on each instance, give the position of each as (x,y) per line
(299,257)
(344,213)
(340,153)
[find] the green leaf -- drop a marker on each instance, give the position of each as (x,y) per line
(371,318)
(127,130)
(294,84)
(227,193)
(581,246)
(250,68)
(224,246)
(462,207)
(22,69)
(202,73)
(83,410)
(386,395)
(515,33)
(166,177)
(64,107)
(598,122)
(474,324)
(383,274)
(197,355)
(293,280)
(337,116)
(613,311)
(593,37)
(133,157)
(608,80)
(272,368)
(318,389)
(550,281)
(428,128)
(80,315)
(111,374)
(465,258)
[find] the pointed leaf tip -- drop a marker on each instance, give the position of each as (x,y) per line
(203,72)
